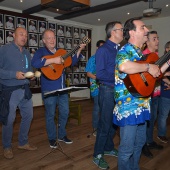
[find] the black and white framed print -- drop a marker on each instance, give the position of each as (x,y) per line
(9,36)
(84,54)
(76,32)
(82,66)
(52,26)
(69,79)
(32,51)
(1,21)
(60,42)
(76,42)
(42,26)
(33,39)
(83,79)
(9,22)
(68,31)
(82,33)
(76,67)
(21,22)
(68,42)
(1,37)
(60,30)
(32,26)
(41,44)
(76,79)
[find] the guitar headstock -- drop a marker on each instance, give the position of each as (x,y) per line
(85,40)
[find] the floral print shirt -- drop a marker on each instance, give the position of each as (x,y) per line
(129,110)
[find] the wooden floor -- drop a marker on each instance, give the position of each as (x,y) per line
(79,154)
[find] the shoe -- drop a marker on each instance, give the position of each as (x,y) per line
(163,139)
(28,147)
(100,162)
(65,140)
(53,144)
(146,151)
(114,152)
(154,145)
(8,154)
(94,132)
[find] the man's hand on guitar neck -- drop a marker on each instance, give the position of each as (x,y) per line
(82,46)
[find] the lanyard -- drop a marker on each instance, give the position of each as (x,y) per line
(26,61)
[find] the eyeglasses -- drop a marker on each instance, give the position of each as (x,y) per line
(121,29)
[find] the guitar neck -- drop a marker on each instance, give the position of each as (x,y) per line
(163,59)
(71,52)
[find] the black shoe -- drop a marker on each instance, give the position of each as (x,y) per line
(146,152)
(154,145)
(53,144)
(66,140)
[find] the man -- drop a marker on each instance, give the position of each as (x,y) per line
(21,23)
(61,43)
(76,79)
(130,112)
(42,27)
(152,45)
(76,33)
(9,23)
(32,41)
(60,31)
(60,100)
(94,88)
(105,64)
(15,60)
(10,37)
(32,27)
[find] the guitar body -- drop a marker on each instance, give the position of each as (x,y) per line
(54,71)
(135,83)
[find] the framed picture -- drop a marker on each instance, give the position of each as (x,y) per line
(21,22)
(9,22)
(60,42)
(84,55)
(1,37)
(83,79)
(82,33)
(60,30)
(52,26)
(82,66)
(41,44)
(42,26)
(32,26)
(69,79)
(76,32)
(32,51)
(32,39)
(76,68)
(1,21)
(9,36)
(68,31)
(76,42)
(69,43)
(76,79)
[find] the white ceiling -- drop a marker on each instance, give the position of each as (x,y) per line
(119,14)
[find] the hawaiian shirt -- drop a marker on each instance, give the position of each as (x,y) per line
(129,110)
(91,67)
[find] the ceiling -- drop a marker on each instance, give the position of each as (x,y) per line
(105,16)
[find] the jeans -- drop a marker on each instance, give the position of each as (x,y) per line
(26,110)
(150,124)
(51,103)
(164,109)
(132,140)
(105,130)
(95,113)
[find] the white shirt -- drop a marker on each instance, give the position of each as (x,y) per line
(68,45)
(32,42)
(76,35)
(75,81)
(9,39)
(83,80)
(42,29)
(82,35)
(61,45)
(60,33)
(1,41)
(9,25)
(32,28)
(68,34)
(1,25)
(21,25)
(41,43)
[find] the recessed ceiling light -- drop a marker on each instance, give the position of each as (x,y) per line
(21,0)
(57,9)
(167,5)
(128,13)
(99,19)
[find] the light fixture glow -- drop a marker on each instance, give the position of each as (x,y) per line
(128,13)
(99,19)
(57,10)
(167,5)
(21,0)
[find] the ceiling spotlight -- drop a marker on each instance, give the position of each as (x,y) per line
(128,13)
(167,5)
(99,19)
(57,10)
(21,0)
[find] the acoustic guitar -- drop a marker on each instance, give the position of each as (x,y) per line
(53,71)
(143,84)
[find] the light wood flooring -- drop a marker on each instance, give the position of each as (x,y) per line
(79,154)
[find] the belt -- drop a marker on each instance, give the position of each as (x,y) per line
(109,86)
